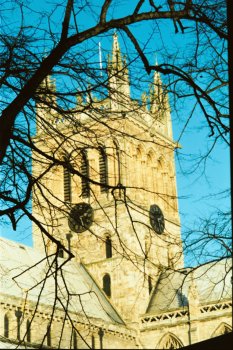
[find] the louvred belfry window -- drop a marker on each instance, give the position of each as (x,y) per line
(103,169)
(67,184)
(85,172)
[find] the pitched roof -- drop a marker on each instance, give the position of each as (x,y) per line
(31,267)
(212,282)
(6,343)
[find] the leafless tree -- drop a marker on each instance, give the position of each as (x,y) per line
(36,50)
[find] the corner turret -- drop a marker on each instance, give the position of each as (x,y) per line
(119,86)
(159,104)
(46,102)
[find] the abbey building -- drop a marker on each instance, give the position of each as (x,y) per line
(106,190)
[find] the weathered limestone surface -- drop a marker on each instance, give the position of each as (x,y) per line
(152,304)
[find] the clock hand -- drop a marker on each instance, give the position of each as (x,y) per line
(81,220)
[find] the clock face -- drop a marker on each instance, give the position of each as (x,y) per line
(81,217)
(156,219)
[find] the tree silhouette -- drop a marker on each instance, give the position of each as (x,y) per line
(66,112)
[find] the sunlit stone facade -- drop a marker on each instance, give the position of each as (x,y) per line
(128,271)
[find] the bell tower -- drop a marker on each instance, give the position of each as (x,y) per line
(114,196)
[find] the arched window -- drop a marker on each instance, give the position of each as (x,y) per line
(103,169)
(61,253)
(150,170)
(223,328)
(150,157)
(107,284)
(48,335)
(150,286)
(140,167)
(85,171)
(161,165)
(160,176)
(117,162)
(18,314)
(101,336)
(6,326)
(169,341)
(67,185)
(75,339)
(92,342)
(28,331)
(108,247)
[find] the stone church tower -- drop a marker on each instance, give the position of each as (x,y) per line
(118,211)
(105,187)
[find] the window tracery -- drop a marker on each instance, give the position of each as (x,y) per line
(150,170)
(163,181)
(169,341)
(223,328)
(140,167)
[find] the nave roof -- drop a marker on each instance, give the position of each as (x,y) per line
(211,281)
(22,274)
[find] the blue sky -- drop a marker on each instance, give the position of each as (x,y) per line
(195,190)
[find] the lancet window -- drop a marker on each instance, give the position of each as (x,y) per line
(223,328)
(117,166)
(48,336)
(108,247)
(61,253)
(92,342)
(85,185)
(107,284)
(18,314)
(67,182)
(169,341)
(150,286)
(103,169)
(101,336)
(28,331)
(67,185)
(150,170)
(75,340)
(6,326)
